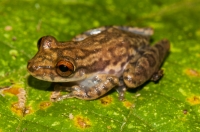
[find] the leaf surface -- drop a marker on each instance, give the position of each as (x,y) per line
(173,104)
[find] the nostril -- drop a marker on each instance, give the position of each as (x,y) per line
(29,66)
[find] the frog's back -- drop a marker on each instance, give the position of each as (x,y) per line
(110,50)
(113,36)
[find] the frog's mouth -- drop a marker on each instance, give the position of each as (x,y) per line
(56,78)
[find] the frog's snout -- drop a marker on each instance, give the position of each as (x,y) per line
(29,67)
(28,63)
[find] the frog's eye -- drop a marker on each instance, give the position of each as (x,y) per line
(64,68)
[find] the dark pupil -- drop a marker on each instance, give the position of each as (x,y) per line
(63,68)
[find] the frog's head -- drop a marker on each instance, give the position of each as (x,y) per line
(52,63)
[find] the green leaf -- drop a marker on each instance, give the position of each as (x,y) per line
(173,104)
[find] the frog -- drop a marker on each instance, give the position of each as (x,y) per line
(92,63)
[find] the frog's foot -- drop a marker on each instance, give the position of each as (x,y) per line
(62,97)
(157,76)
(121,89)
(54,96)
(121,92)
(56,92)
(75,92)
(57,89)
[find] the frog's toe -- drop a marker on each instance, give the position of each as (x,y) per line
(53,99)
(157,76)
(121,93)
(62,97)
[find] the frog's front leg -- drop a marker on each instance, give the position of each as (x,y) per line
(91,88)
(147,66)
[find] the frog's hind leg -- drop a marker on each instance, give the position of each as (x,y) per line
(136,30)
(147,66)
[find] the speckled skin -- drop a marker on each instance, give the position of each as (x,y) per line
(99,60)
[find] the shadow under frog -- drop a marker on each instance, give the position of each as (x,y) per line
(49,86)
